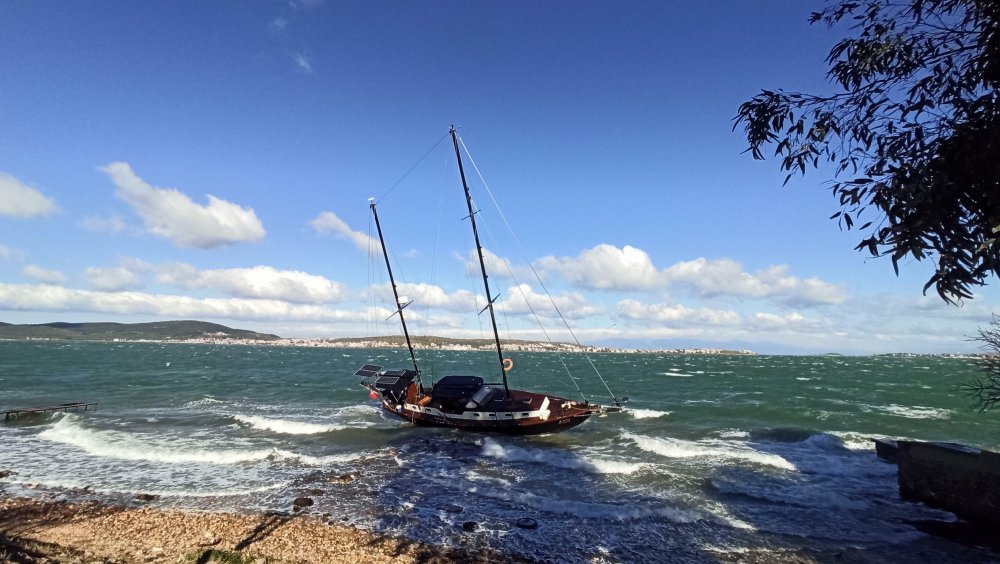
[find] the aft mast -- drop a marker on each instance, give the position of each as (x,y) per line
(482,263)
(395,292)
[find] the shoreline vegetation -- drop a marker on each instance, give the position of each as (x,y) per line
(199,332)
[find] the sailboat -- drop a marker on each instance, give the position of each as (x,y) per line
(469,402)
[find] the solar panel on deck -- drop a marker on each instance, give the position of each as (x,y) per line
(368,370)
(387,381)
(394,373)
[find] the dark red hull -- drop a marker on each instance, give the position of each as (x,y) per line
(522,413)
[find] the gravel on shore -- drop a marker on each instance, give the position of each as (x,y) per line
(58,531)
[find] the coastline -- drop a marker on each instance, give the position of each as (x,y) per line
(389,343)
(91,531)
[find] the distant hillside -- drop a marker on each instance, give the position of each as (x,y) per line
(156,331)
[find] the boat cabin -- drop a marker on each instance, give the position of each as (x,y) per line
(462,392)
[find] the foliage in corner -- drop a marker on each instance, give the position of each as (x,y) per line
(986,389)
(913,133)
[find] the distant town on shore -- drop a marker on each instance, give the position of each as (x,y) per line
(201,332)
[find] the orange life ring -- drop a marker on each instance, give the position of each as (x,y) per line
(508,364)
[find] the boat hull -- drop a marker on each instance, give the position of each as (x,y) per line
(520,413)
(502,427)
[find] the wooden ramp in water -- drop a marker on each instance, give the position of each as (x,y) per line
(73,406)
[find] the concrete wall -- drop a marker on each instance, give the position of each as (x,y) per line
(957,478)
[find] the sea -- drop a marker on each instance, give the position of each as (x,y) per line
(714,458)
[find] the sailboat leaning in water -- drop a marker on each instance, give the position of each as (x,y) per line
(469,402)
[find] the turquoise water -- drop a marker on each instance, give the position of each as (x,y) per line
(716,454)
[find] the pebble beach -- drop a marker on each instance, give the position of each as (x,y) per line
(34,530)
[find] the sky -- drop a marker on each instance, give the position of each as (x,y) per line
(214,160)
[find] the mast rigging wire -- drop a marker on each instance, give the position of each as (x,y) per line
(415,165)
(537,277)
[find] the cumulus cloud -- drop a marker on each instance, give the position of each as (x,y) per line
(676,314)
(328,222)
(429,295)
(169,213)
(113,279)
(30,297)
(606,267)
(17,199)
(46,275)
(725,277)
(496,265)
(261,282)
(522,299)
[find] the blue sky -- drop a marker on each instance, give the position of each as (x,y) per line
(213,160)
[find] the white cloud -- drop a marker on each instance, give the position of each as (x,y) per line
(328,222)
(170,214)
(572,305)
(110,224)
(113,279)
(46,275)
(17,199)
(496,266)
(261,282)
(725,277)
(28,297)
(429,295)
(774,321)
(606,267)
(676,315)
(303,62)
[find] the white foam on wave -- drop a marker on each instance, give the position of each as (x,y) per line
(859,441)
(287,427)
(205,401)
(678,448)
(317,460)
(559,459)
(676,374)
(186,493)
(915,412)
(123,446)
(733,434)
(646,413)
(359,409)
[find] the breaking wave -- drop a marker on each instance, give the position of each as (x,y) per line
(125,446)
(560,459)
(647,413)
(287,427)
(677,448)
